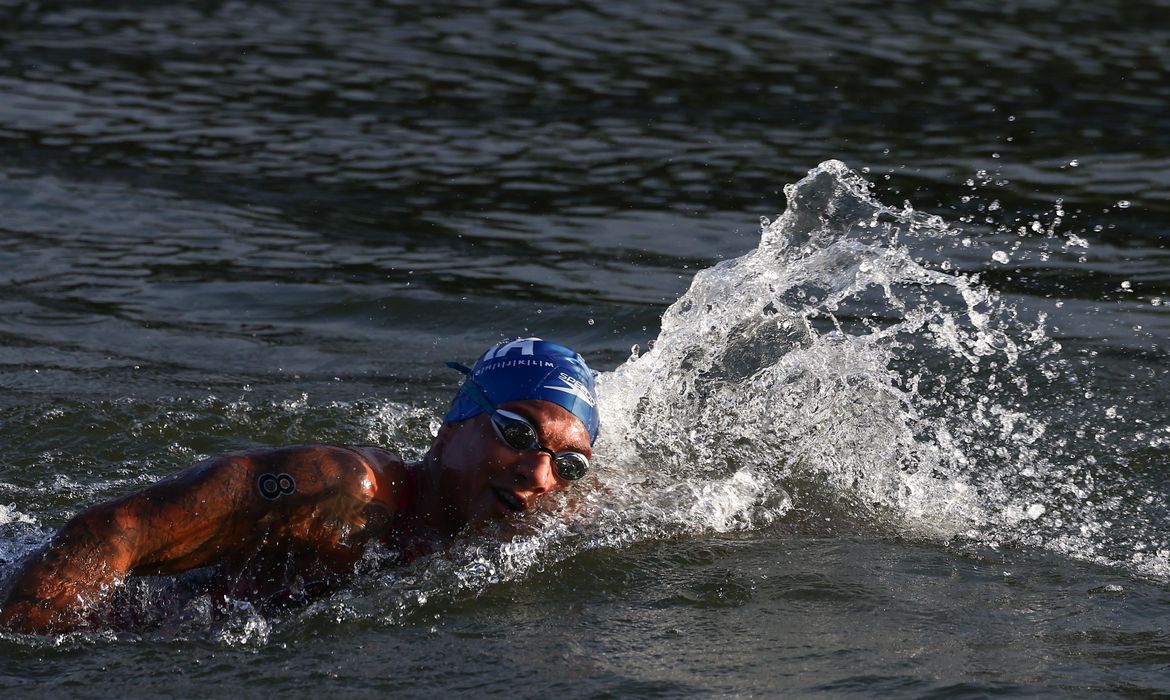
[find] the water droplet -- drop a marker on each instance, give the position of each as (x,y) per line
(591,322)
(1123,204)
(1000,257)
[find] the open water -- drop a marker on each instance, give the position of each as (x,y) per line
(909,435)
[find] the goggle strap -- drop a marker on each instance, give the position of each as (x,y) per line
(459,366)
(473,389)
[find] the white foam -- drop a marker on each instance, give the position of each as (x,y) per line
(9,514)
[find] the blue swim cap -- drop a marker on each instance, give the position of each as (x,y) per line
(531,368)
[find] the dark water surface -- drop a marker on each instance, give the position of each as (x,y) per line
(882,454)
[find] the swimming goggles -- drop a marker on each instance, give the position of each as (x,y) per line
(516,432)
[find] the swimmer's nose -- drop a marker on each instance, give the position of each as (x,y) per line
(534,472)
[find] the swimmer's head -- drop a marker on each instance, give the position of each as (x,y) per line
(530,368)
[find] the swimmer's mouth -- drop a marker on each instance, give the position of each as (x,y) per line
(510,499)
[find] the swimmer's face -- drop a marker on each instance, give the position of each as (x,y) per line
(482,478)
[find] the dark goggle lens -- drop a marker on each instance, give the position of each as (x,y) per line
(570,465)
(518,434)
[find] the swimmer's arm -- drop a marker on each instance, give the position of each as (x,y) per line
(194,519)
(79,566)
(179,523)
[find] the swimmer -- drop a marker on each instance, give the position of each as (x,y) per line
(290,523)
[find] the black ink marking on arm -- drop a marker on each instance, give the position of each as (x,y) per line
(273,486)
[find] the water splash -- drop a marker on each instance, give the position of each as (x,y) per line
(834,362)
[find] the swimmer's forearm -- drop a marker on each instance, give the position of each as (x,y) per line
(75,571)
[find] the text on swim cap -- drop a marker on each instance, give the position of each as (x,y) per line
(523,344)
(575,387)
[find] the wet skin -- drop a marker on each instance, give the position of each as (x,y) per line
(477,477)
(291,522)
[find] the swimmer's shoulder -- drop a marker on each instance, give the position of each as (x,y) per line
(388,472)
(377,457)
